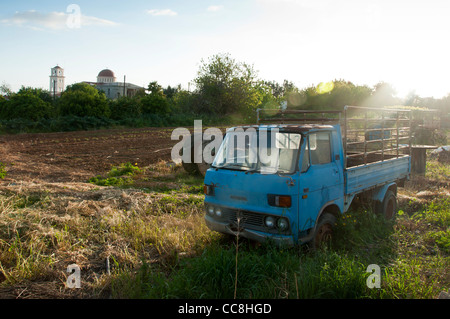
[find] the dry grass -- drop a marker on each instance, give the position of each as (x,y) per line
(44,227)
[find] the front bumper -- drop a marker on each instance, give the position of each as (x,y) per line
(227,228)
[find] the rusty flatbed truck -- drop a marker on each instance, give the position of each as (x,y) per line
(290,182)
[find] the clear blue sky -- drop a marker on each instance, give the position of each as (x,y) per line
(404,43)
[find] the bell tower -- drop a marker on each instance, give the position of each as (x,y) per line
(56,81)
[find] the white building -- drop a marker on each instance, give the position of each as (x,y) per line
(56,81)
(107,82)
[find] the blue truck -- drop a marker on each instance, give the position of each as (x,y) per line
(289,177)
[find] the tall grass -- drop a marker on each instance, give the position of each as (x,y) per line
(160,247)
(413,265)
(263,273)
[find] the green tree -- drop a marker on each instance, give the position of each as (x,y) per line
(28,103)
(226,86)
(170,92)
(383,95)
(335,95)
(82,99)
(155,102)
(125,107)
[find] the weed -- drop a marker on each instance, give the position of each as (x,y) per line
(124,169)
(2,170)
(119,176)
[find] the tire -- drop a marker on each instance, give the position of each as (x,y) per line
(196,168)
(191,167)
(323,234)
(389,205)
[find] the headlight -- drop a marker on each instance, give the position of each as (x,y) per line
(218,212)
(270,221)
(210,210)
(282,223)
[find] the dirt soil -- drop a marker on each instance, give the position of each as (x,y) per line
(77,156)
(64,161)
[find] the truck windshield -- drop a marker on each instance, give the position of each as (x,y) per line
(265,151)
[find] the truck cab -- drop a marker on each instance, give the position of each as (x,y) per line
(270,181)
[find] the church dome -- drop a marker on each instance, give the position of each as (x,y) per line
(106,72)
(106,76)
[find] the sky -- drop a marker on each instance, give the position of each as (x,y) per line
(404,43)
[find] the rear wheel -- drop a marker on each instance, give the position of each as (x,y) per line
(389,205)
(324,231)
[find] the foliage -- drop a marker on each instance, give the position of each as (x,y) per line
(335,95)
(155,102)
(82,99)
(225,90)
(2,170)
(124,169)
(225,86)
(125,107)
(120,175)
(27,103)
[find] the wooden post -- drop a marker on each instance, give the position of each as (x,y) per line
(419,158)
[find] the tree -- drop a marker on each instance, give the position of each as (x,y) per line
(155,89)
(383,95)
(281,90)
(5,89)
(155,102)
(28,103)
(170,92)
(82,99)
(125,107)
(334,95)
(226,86)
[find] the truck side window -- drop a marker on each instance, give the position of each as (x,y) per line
(320,148)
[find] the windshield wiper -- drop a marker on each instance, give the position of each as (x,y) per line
(233,167)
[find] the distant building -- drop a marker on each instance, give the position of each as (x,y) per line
(56,81)
(106,82)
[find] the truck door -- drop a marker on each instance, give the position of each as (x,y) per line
(320,177)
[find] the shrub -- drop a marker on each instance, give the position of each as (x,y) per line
(124,108)
(81,99)
(26,104)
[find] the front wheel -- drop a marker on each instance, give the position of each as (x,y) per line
(324,231)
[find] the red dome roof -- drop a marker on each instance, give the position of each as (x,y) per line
(106,72)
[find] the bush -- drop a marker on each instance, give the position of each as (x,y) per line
(26,104)
(155,104)
(81,99)
(125,107)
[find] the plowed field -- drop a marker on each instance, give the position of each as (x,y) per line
(76,156)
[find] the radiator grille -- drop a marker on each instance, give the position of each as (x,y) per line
(248,220)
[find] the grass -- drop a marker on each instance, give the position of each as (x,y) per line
(121,175)
(263,273)
(412,252)
(153,234)
(2,170)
